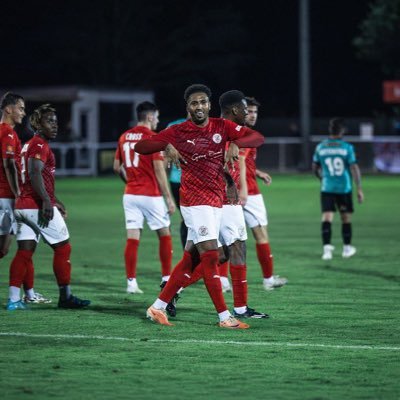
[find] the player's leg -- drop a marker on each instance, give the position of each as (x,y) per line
(5,242)
(157,312)
(205,224)
(130,258)
(165,252)
(233,234)
(346,210)
(156,213)
(328,208)
(134,218)
(256,218)
(7,223)
(56,235)
(19,267)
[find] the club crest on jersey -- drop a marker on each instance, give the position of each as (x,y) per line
(239,127)
(217,138)
(203,231)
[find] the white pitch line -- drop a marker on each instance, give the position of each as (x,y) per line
(196,341)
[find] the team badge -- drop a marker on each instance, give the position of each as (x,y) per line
(241,231)
(203,231)
(217,138)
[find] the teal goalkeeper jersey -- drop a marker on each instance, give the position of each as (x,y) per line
(335,157)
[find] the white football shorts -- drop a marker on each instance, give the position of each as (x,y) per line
(7,218)
(233,226)
(137,208)
(255,213)
(28,228)
(203,222)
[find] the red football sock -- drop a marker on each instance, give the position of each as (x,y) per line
(197,274)
(239,285)
(165,251)
(19,266)
(131,252)
(223,269)
(29,276)
(62,264)
(265,259)
(180,274)
(209,261)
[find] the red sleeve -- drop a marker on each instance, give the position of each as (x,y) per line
(8,144)
(158,156)
(157,143)
(243,136)
(39,152)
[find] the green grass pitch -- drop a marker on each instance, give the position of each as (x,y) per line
(334,331)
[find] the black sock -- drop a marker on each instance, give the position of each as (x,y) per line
(326,231)
(346,233)
(65,292)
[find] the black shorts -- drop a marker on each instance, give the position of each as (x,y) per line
(342,202)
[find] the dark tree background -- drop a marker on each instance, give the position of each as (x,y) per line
(165,46)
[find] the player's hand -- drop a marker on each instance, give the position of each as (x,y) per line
(45,214)
(264,177)
(171,206)
(173,156)
(360,196)
(232,155)
(63,211)
(232,194)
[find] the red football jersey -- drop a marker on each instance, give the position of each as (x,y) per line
(38,149)
(141,179)
(203,148)
(251,177)
(10,148)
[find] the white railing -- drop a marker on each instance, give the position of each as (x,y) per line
(86,159)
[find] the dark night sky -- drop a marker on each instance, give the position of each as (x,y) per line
(251,46)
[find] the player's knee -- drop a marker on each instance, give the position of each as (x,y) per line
(64,250)
(238,253)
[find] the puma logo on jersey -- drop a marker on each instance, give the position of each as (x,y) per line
(191,141)
(10,135)
(40,145)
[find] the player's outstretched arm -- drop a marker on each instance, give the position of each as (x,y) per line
(35,168)
(249,138)
(150,146)
(161,176)
(356,174)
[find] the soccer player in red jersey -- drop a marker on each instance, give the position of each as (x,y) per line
(200,145)
(254,209)
(13,111)
(39,213)
(233,233)
(146,182)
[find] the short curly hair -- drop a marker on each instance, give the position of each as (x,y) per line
(37,115)
(196,88)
